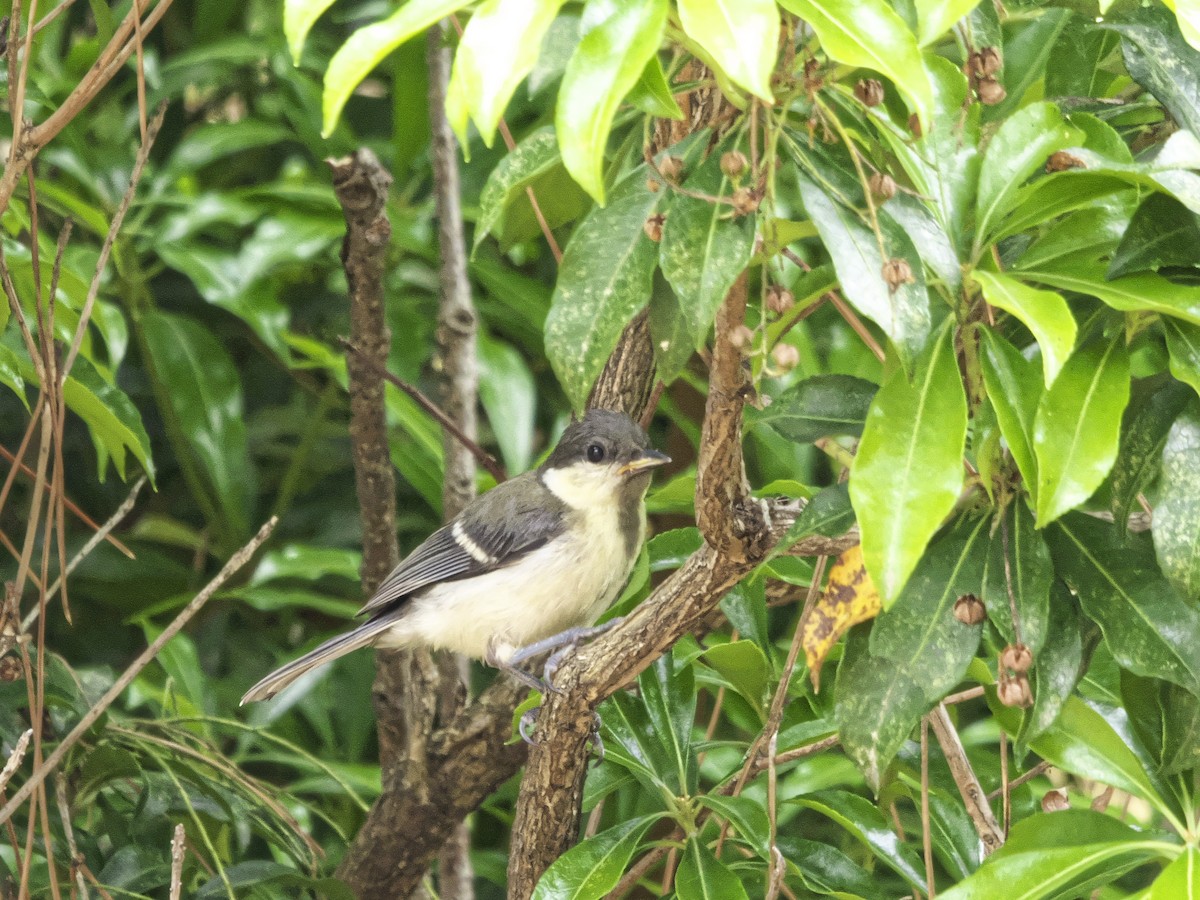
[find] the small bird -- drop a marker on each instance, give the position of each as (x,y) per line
(524,569)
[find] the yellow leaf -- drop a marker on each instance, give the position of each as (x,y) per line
(850,597)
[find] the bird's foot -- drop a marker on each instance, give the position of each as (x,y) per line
(528,722)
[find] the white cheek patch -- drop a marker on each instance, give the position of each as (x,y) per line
(585,487)
(464,540)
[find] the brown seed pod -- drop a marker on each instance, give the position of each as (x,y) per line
(1055,801)
(779,299)
(653,185)
(1062,160)
(969,610)
(785,356)
(671,168)
(1016,657)
(653,227)
(10,668)
(734,164)
(742,337)
(745,201)
(1013,690)
(990,91)
(869,91)
(914,125)
(882,185)
(990,61)
(897,271)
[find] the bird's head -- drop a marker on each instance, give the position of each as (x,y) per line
(605,457)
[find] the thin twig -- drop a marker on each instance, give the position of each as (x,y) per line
(1033,773)
(177,862)
(484,458)
(968,784)
(926,832)
(64,812)
(185,615)
(844,310)
(14,758)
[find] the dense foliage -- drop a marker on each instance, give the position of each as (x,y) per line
(971,239)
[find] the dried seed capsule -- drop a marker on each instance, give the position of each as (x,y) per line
(969,609)
(653,227)
(1017,657)
(745,201)
(742,337)
(869,92)
(1062,160)
(779,299)
(734,164)
(1055,801)
(10,668)
(1013,690)
(883,187)
(785,356)
(671,167)
(897,271)
(989,61)
(653,185)
(914,125)
(990,91)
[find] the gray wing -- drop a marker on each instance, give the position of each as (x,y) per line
(514,518)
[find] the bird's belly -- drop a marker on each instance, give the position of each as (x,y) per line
(559,586)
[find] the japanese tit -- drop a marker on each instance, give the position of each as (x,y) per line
(524,568)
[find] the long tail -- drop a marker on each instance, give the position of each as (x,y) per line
(362,636)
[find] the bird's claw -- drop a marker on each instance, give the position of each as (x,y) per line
(526,724)
(594,737)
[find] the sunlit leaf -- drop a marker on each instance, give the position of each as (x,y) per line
(741,36)
(1044,313)
(848,599)
(1177,513)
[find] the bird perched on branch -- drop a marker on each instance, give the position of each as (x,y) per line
(524,569)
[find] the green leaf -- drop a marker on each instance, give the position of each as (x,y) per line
(908,470)
(827,870)
(10,374)
(1180,880)
(705,247)
(1030,572)
(1058,854)
(935,17)
(1057,669)
(903,314)
(369,46)
(701,876)
(112,419)
(497,50)
(1144,430)
(817,407)
(652,94)
(747,670)
(592,868)
(866,823)
(669,695)
(1028,45)
(748,817)
(920,633)
(535,155)
(299,16)
(1183,343)
(1166,719)
(604,279)
(829,513)
(1014,389)
(509,396)
(1177,513)
(1160,60)
(618,38)
(741,36)
(1163,232)
(1133,293)
(869,33)
(1018,149)
(1078,427)
(1044,313)
(204,391)
(1149,628)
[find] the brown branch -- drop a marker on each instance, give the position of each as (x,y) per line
(968,785)
(626,382)
(185,615)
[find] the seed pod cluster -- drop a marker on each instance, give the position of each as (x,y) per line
(672,168)
(653,227)
(869,91)
(785,356)
(1062,160)
(779,299)
(734,164)
(1013,686)
(982,66)
(882,186)
(897,271)
(969,610)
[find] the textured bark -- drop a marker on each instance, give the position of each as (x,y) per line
(627,380)
(457,360)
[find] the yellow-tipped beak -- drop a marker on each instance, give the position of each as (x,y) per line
(650,459)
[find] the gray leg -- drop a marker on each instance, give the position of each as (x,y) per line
(558,643)
(512,669)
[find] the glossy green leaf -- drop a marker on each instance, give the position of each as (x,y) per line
(592,868)
(936,17)
(1153,408)
(908,470)
(1029,573)
(1150,629)
(652,94)
(869,33)
(1163,232)
(903,314)
(618,38)
(747,670)
(203,390)
(1028,45)
(1183,344)
(509,396)
(1014,389)
(701,876)
(704,247)
(866,823)
(817,407)
(497,50)
(1058,854)
(877,706)
(630,742)
(673,330)
(299,16)
(605,278)
(747,816)
(1017,150)
(828,513)
(669,694)
(1177,513)
(1166,719)
(1160,60)
(1088,234)
(1180,880)
(1044,313)
(370,45)
(114,422)
(535,155)
(741,36)
(827,870)
(1078,427)
(10,374)
(920,633)
(1056,669)
(1133,293)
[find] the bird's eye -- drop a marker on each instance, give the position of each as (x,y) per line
(595,453)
